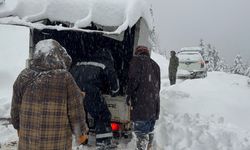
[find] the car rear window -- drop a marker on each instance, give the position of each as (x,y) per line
(189,57)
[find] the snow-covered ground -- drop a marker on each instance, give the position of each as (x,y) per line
(200,114)
(204,114)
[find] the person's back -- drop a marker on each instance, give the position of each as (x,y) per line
(90,76)
(143,95)
(47,104)
(91,73)
(144,86)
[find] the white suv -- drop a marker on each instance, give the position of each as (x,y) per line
(191,65)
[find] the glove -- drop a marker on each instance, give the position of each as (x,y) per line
(83,139)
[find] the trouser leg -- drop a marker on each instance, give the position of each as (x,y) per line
(150,141)
(171,80)
(174,79)
(104,133)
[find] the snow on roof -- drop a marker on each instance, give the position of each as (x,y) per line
(80,13)
(191,49)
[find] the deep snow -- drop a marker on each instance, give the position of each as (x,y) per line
(203,114)
(199,114)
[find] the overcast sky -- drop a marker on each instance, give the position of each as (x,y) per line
(223,23)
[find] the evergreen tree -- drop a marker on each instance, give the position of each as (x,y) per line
(216,58)
(202,44)
(221,66)
(210,54)
(238,67)
(210,58)
(247,73)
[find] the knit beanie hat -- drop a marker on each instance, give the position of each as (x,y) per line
(142,50)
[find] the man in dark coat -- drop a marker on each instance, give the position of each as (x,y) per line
(90,75)
(172,68)
(143,95)
(47,105)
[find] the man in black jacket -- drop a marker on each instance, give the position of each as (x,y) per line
(90,75)
(143,95)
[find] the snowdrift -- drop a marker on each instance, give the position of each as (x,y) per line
(203,114)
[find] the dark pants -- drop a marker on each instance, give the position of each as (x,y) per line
(97,107)
(144,133)
(172,78)
(144,127)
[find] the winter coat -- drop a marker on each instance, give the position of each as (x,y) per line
(143,88)
(90,77)
(173,65)
(47,103)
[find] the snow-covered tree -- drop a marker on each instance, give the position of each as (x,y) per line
(247,73)
(238,67)
(202,44)
(211,54)
(221,66)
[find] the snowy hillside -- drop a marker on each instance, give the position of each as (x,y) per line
(200,114)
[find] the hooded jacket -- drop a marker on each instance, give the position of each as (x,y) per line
(47,103)
(144,87)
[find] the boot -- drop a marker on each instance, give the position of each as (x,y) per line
(150,142)
(142,141)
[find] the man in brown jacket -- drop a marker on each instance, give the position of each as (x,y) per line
(143,95)
(47,104)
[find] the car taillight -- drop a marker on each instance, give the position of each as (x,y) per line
(202,64)
(115,126)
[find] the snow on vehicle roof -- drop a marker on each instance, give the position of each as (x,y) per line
(80,13)
(191,49)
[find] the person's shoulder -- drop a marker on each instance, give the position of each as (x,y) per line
(59,74)
(155,64)
(64,73)
(136,59)
(26,73)
(153,61)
